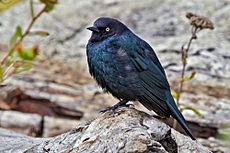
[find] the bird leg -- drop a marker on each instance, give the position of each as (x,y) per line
(121,103)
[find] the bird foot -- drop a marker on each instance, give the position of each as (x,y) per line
(114,107)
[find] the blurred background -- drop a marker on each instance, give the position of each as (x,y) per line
(57,94)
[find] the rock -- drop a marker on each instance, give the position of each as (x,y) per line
(215,145)
(162,23)
(164,28)
(21,122)
(53,126)
(125,130)
(60,101)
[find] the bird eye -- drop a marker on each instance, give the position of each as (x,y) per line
(107,29)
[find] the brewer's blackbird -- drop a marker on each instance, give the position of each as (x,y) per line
(127,67)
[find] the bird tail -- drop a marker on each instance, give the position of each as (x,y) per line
(177,115)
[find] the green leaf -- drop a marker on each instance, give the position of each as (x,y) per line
(49,7)
(32,8)
(175,95)
(1,73)
(49,4)
(191,76)
(27,54)
(13,57)
(186,107)
(16,36)
(23,68)
(40,33)
(6,4)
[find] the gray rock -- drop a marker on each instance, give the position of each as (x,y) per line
(21,122)
(161,23)
(125,130)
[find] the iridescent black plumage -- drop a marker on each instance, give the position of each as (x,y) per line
(128,68)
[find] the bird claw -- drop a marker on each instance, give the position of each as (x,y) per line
(107,109)
(113,108)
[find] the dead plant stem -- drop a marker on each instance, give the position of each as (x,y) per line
(24,34)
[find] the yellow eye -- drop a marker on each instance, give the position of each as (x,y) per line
(107,29)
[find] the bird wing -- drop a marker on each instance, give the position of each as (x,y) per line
(154,83)
(151,75)
(156,90)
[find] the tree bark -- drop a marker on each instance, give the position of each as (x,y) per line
(124,130)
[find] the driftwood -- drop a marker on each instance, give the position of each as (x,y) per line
(124,130)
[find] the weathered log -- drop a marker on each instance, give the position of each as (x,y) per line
(124,130)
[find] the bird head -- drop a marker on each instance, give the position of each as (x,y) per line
(104,28)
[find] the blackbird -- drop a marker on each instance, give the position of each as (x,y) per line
(127,67)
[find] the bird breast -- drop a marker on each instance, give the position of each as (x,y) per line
(112,70)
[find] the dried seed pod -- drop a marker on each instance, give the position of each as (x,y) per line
(198,21)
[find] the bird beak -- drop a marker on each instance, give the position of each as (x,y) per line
(94,29)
